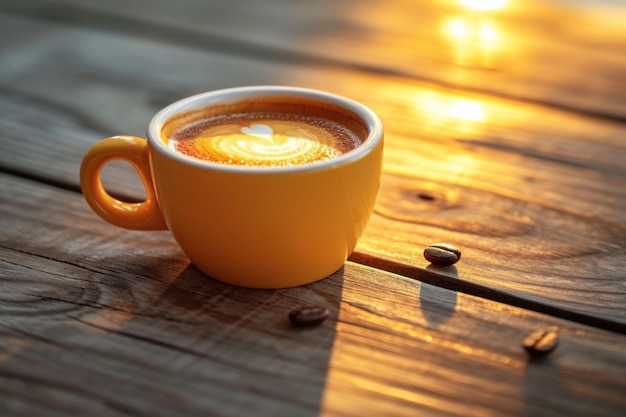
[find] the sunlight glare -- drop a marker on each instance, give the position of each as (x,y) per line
(476,42)
(457,115)
(484,4)
(481,30)
(458,28)
(487,32)
(469,110)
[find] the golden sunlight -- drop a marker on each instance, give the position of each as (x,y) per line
(476,41)
(484,31)
(458,28)
(484,4)
(458,115)
(469,110)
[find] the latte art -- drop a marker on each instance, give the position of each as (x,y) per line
(260,139)
(272,143)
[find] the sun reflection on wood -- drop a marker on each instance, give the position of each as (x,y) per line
(469,110)
(484,4)
(456,114)
(476,41)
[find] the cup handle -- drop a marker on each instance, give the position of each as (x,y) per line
(137,216)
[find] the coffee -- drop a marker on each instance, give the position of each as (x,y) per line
(265,132)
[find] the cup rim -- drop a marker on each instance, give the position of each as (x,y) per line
(198,101)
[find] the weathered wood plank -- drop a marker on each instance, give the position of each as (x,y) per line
(552,52)
(102,322)
(533,196)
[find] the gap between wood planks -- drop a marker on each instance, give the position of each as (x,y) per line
(439,279)
(92,19)
(483,291)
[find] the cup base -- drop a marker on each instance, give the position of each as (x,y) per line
(268,283)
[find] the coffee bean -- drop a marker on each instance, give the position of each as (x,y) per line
(540,342)
(306,316)
(442,254)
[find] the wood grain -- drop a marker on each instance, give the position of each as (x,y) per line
(559,53)
(102,322)
(534,196)
(511,151)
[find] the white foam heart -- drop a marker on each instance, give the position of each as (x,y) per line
(259,130)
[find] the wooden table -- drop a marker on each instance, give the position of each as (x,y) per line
(505,136)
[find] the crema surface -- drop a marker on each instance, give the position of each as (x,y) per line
(267,133)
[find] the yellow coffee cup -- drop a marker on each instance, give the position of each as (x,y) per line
(254,227)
